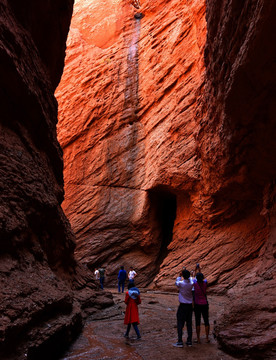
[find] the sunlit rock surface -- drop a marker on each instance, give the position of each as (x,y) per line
(126,124)
(170,155)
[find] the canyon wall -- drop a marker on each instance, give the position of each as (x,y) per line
(169,151)
(238,114)
(39,311)
(126,124)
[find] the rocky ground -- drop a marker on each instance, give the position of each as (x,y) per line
(102,336)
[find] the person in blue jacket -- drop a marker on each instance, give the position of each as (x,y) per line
(121,279)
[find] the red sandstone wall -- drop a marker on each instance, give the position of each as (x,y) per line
(239,116)
(37,305)
(126,125)
(146,120)
(146,123)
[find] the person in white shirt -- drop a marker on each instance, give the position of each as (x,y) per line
(131,275)
(185,309)
(97,274)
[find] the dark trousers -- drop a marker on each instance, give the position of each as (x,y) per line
(121,283)
(184,314)
(102,282)
(204,310)
(135,326)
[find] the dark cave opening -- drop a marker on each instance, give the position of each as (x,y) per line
(163,206)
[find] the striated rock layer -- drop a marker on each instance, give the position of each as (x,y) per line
(38,274)
(169,153)
(240,161)
(126,124)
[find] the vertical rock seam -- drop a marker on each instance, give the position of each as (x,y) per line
(131,102)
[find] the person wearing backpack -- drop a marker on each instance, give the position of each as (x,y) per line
(132,300)
(102,272)
(201,306)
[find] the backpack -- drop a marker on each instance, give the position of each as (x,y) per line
(101,271)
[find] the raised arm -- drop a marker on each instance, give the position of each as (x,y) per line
(177,281)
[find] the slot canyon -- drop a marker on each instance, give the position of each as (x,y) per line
(136,133)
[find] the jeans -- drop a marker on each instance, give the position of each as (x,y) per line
(102,282)
(135,326)
(121,282)
(184,314)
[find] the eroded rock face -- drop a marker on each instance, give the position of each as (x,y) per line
(169,156)
(38,308)
(126,103)
(241,104)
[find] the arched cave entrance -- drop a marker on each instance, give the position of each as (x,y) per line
(163,206)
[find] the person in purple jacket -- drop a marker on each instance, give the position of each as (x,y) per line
(201,306)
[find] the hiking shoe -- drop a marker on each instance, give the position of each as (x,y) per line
(138,338)
(126,336)
(178,344)
(189,343)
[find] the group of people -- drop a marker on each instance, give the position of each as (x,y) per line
(122,277)
(132,298)
(192,297)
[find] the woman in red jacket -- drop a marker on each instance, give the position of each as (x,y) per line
(132,300)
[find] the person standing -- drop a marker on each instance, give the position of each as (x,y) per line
(121,279)
(102,273)
(97,274)
(131,275)
(185,309)
(201,305)
(132,300)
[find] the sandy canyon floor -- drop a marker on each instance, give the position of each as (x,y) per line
(102,337)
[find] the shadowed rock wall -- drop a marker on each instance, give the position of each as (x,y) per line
(39,312)
(239,163)
(169,156)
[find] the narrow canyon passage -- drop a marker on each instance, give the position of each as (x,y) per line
(137,140)
(102,336)
(162,160)
(126,128)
